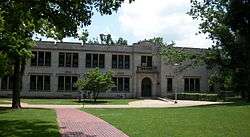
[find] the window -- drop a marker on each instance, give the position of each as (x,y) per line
(120,61)
(7,83)
(67,83)
(170,84)
(68,59)
(95,60)
(121,84)
(41,58)
(192,84)
(146,61)
(40,82)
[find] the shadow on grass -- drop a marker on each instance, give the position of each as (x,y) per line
(227,104)
(23,128)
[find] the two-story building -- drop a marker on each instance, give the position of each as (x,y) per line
(138,71)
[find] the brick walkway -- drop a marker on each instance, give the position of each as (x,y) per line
(75,123)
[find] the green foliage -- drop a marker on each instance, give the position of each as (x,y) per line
(227,23)
(96,82)
(106,39)
(84,36)
(121,41)
(198,96)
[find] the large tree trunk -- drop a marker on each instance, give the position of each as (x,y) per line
(17,81)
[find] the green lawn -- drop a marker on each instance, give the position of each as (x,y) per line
(206,121)
(75,101)
(28,123)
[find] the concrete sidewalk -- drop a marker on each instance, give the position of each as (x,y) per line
(147,103)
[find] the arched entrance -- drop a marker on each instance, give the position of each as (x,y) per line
(146,87)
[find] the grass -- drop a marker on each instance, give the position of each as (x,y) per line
(231,120)
(28,123)
(75,101)
(5,101)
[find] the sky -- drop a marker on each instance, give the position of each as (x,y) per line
(144,19)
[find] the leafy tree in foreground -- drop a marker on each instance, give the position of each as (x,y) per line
(227,23)
(96,82)
(21,19)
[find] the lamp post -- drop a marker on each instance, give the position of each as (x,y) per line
(175,96)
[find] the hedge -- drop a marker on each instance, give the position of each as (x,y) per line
(197,96)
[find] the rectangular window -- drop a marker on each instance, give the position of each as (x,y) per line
(192,84)
(40,82)
(120,61)
(95,60)
(68,59)
(127,62)
(67,83)
(146,61)
(101,60)
(41,58)
(170,84)
(7,83)
(114,61)
(121,84)
(88,60)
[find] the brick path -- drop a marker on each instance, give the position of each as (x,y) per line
(75,123)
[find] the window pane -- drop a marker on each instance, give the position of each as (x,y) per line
(74,79)
(34,59)
(61,59)
(149,61)
(101,60)
(75,59)
(126,84)
(46,82)
(40,58)
(169,84)
(68,59)
(114,89)
(4,82)
(67,83)
(11,82)
(47,58)
(88,60)
(143,61)
(32,82)
(191,84)
(120,61)
(120,84)
(61,83)
(95,60)
(197,84)
(127,61)
(114,61)
(186,84)
(39,82)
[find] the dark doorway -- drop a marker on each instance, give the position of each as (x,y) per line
(146,87)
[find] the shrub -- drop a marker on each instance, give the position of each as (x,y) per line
(197,96)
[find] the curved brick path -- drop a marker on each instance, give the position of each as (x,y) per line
(75,123)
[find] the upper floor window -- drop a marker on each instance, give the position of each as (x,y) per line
(39,82)
(67,83)
(68,59)
(41,58)
(7,83)
(120,61)
(121,84)
(146,61)
(95,60)
(192,84)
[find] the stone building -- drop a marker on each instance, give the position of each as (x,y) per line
(138,71)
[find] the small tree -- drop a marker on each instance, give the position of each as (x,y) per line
(96,82)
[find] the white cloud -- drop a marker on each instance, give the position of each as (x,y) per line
(166,18)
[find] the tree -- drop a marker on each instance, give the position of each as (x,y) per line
(106,39)
(121,41)
(84,36)
(96,82)
(21,19)
(227,23)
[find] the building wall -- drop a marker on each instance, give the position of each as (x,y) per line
(158,76)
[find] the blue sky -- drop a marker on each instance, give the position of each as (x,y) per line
(147,19)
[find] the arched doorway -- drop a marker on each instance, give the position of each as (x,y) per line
(146,87)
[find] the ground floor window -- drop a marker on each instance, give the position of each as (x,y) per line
(7,83)
(40,82)
(169,84)
(66,83)
(121,84)
(192,84)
